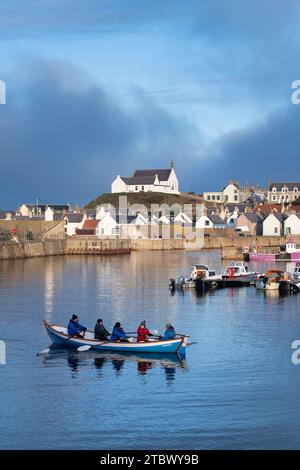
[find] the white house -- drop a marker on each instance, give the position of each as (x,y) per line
(157,180)
(164,220)
(230,194)
(182,218)
(103,209)
(273,225)
(292,225)
(38,210)
(204,222)
(133,226)
(107,226)
(231,218)
(49,214)
(74,221)
(210,221)
(128,226)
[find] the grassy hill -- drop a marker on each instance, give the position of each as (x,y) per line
(145,198)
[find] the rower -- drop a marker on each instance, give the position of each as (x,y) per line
(169,333)
(100,331)
(143,332)
(118,333)
(74,327)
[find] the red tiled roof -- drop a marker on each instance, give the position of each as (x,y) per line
(268,208)
(90,224)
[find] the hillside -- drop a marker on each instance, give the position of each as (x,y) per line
(147,199)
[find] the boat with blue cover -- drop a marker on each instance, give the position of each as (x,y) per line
(59,335)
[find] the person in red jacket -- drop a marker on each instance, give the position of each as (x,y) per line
(143,332)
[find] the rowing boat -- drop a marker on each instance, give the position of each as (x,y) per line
(59,334)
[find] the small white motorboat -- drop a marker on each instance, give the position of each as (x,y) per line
(238,271)
(199,271)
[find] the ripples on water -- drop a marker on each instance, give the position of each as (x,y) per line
(236,389)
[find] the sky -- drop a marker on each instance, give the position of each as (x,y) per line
(102,87)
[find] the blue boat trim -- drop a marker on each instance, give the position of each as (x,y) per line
(58,335)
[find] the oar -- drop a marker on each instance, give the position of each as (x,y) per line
(46,351)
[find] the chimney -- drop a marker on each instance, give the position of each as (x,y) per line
(172,164)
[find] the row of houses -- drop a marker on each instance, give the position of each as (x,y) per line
(262,219)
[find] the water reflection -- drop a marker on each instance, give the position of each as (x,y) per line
(144,362)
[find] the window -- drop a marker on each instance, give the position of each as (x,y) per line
(143,188)
(274,190)
(218,198)
(276,230)
(136,188)
(295,190)
(235,198)
(102,231)
(213,198)
(235,191)
(208,198)
(274,198)
(207,222)
(284,190)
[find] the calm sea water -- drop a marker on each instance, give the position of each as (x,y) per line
(237,388)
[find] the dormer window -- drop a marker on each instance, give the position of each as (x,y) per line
(295,190)
(284,190)
(274,190)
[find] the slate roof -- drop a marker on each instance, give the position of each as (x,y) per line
(231,206)
(279,186)
(43,207)
(74,218)
(138,180)
(254,218)
(125,220)
(163,174)
(216,219)
(281,217)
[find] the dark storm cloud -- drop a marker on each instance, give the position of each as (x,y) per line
(270,149)
(253,45)
(64,138)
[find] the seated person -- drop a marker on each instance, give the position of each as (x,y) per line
(100,331)
(169,333)
(118,333)
(74,327)
(143,332)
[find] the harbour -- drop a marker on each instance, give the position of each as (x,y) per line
(226,393)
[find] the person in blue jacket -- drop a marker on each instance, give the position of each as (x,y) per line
(169,333)
(118,333)
(74,327)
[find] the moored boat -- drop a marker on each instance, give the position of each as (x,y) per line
(239,272)
(59,335)
(272,279)
(199,272)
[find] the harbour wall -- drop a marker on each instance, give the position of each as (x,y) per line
(14,250)
(40,229)
(50,240)
(233,248)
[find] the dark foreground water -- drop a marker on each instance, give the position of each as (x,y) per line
(237,388)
